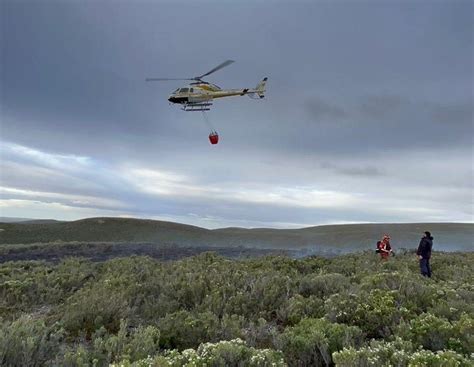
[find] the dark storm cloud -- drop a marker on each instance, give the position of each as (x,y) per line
(361,96)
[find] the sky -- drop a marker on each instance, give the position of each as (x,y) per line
(368,115)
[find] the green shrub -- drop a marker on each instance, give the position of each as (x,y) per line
(75,308)
(78,356)
(138,344)
(376,313)
(418,294)
(377,353)
(261,333)
(28,342)
(464,333)
(323,285)
(26,286)
(92,308)
(184,329)
(445,358)
(454,298)
(397,353)
(232,353)
(231,327)
(312,341)
(436,333)
(299,307)
(128,344)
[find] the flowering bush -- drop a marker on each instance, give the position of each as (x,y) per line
(376,313)
(444,358)
(397,353)
(436,333)
(224,353)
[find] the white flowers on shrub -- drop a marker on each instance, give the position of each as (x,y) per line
(226,352)
(397,353)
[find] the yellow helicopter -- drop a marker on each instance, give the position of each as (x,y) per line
(199,95)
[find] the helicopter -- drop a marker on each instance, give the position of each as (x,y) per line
(199,95)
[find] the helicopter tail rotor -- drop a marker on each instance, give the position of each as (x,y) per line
(259,91)
(261,87)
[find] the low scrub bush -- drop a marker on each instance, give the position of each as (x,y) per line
(397,353)
(224,353)
(376,313)
(72,313)
(312,341)
(28,342)
(435,333)
(323,285)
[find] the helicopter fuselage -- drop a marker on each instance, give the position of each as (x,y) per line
(204,92)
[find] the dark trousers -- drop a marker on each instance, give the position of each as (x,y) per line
(425,267)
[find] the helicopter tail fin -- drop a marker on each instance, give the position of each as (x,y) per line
(260,88)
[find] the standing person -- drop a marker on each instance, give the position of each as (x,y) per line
(424,254)
(385,247)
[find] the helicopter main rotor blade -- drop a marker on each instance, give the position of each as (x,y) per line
(165,79)
(218,67)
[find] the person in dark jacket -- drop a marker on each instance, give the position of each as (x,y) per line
(424,254)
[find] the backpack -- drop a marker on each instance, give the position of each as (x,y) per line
(379,246)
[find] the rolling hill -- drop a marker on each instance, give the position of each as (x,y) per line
(327,239)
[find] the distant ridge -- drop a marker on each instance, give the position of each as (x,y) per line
(26,220)
(13,219)
(330,238)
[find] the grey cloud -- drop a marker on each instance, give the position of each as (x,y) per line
(381,106)
(387,122)
(321,110)
(460,114)
(365,171)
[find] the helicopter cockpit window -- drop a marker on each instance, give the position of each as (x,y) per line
(184,90)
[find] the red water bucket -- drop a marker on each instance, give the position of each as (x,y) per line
(213,138)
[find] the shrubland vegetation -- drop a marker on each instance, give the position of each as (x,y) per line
(102,251)
(330,239)
(207,310)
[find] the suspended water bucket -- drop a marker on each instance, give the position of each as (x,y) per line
(213,137)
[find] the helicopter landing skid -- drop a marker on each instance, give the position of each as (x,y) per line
(197,107)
